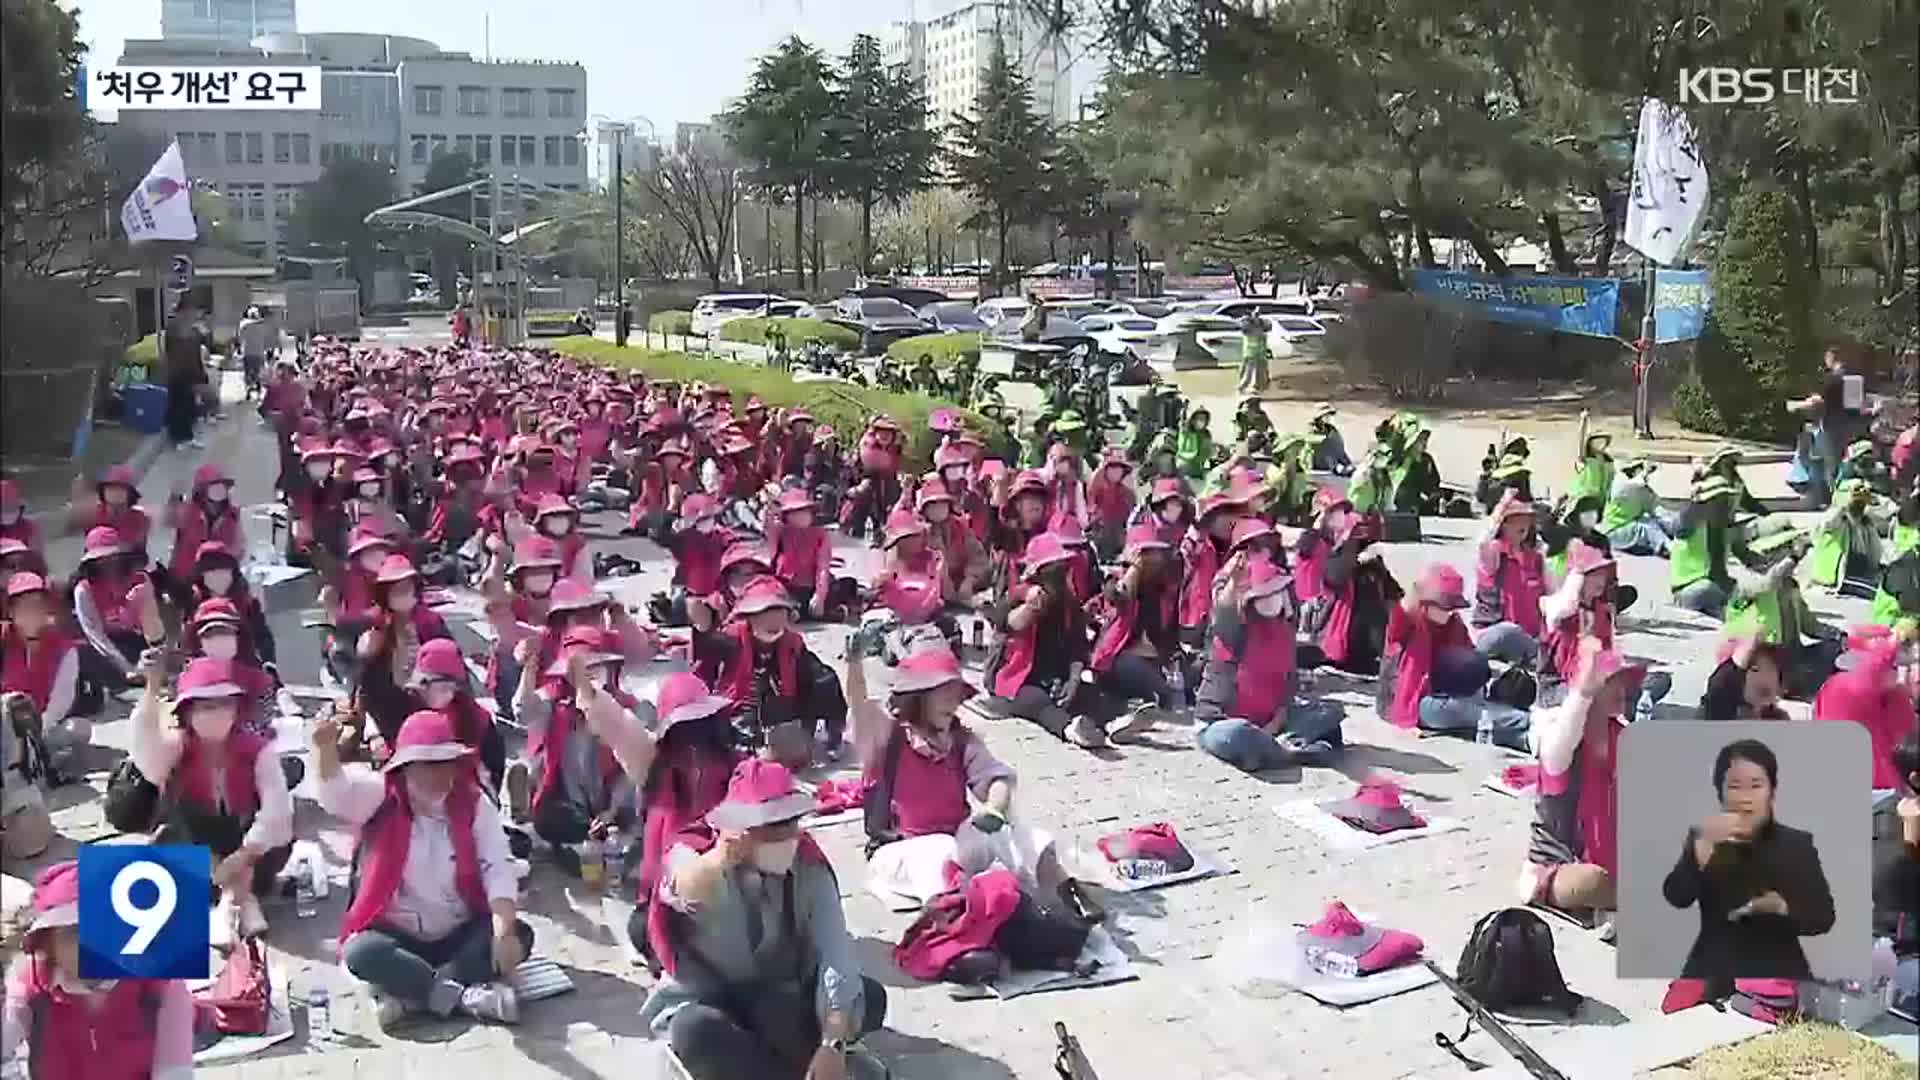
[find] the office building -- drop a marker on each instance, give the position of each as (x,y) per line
(637,150)
(949,55)
(394,101)
(225,22)
(704,135)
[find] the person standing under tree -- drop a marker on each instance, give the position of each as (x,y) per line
(184,360)
(1253,354)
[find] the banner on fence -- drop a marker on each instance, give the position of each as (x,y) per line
(1681,300)
(1568,305)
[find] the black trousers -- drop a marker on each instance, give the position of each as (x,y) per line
(776,1042)
(183,407)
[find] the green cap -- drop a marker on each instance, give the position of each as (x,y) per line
(1510,466)
(1779,541)
(1723,453)
(1860,448)
(1070,421)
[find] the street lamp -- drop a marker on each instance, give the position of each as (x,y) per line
(621,129)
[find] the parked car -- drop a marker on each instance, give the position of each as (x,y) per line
(906,294)
(1295,336)
(787,309)
(1080,309)
(1000,309)
(713,310)
(953,317)
(1066,333)
(1152,309)
(1118,333)
(1199,339)
(1239,308)
(880,321)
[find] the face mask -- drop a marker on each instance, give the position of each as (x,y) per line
(439,695)
(370,561)
(539,584)
(1270,607)
(1437,614)
(936,512)
(220,646)
(391,461)
(568,441)
(116,496)
(776,857)
(955,479)
(1586,519)
(218,581)
(217,493)
(556,525)
(30,626)
(402,602)
(602,677)
(212,721)
(1172,513)
(369,491)
(318,472)
(705,525)
(424,799)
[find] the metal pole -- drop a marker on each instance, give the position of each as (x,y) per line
(619,249)
(1643,363)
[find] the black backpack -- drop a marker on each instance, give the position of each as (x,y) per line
(1509,962)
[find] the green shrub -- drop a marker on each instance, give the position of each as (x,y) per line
(798,331)
(845,406)
(670,322)
(946,349)
(1756,349)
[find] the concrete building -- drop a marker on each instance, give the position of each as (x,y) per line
(637,150)
(687,136)
(394,101)
(949,54)
(226,22)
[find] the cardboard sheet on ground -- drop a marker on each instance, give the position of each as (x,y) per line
(1113,967)
(279,1022)
(1091,866)
(1341,836)
(1341,991)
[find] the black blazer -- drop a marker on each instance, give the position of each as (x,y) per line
(1781,859)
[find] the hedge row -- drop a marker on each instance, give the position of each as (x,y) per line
(946,349)
(670,322)
(845,406)
(798,331)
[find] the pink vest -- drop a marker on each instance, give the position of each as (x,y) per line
(384,844)
(192,778)
(685,786)
(798,555)
(1264,668)
(1519,579)
(1119,631)
(1310,567)
(68,1038)
(31,669)
(195,530)
(914,593)
(1196,591)
(929,796)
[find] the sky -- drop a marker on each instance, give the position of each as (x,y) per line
(670,61)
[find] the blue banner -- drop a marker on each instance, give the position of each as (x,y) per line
(1681,300)
(1569,305)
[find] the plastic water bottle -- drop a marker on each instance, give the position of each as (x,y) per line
(1332,962)
(303,899)
(1177,681)
(319,1010)
(614,857)
(1483,731)
(592,864)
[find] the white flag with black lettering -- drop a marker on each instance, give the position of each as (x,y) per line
(1669,197)
(161,208)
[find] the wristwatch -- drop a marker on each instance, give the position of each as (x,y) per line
(839,1046)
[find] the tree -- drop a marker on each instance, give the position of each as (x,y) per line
(922,229)
(331,215)
(883,148)
(783,126)
(997,154)
(1756,349)
(215,216)
(697,192)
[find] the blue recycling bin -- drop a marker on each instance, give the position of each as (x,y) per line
(145,407)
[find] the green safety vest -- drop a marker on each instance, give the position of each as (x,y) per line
(1689,558)
(1368,490)
(1830,556)
(1759,616)
(1594,477)
(1625,511)
(1194,453)
(1905,539)
(1253,347)
(1886,610)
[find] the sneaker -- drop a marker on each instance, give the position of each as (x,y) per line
(519,783)
(1140,721)
(1607,923)
(1086,732)
(494,1002)
(253,921)
(390,1012)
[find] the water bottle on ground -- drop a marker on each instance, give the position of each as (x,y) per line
(1177,682)
(303,899)
(592,864)
(319,1009)
(1483,731)
(1331,962)
(614,858)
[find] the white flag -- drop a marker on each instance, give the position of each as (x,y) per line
(161,208)
(1669,197)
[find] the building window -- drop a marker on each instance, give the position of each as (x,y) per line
(472,101)
(552,149)
(463,144)
(419,149)
(236,148)
(509,144)
(426,100)
(439,144)
(302,148)
(570,149)
(185,139)
(256,148)
(526,150)
(282,204)
(559,103)
(282,148)
(483,149)
(209,152)
(516,101)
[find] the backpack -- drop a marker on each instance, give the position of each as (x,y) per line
(1509,961)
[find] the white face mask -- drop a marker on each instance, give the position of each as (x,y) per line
(601,676)
(217,493)
(402,603)
(218,581)
(936,512)
(220,646)
(1438,614)
(776,857)
(556,525)
(212,721)
(538,584)
(425,800)
(705,524)
(440,694)
(318,471)
(1586,520)
(369,491)
(1172,513)
(370,560)
(1270,607)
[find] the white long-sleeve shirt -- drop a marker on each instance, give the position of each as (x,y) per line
(427,905)
(157,749)
(93,625)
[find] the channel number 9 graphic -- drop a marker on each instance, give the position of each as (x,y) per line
(143,911)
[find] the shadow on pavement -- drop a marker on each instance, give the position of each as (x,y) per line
(1360,759)
(914,1056)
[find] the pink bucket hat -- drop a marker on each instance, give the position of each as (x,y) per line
(1372,948)
(1144,537)
(760,793)
(102,542)
(762,594)
(1043,551)
(929,668)
(1157,841)
(1376,807)
(572,594)
(1442,584)
(210,679)
(683,697)
(439,659)
(426,736)
(56,899)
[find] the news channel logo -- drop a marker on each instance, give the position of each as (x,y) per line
(143,911)
(1759,86)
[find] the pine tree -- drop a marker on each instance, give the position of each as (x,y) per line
(883,150)
(997,155)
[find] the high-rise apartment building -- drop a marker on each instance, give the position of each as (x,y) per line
(227,22)
(949,55)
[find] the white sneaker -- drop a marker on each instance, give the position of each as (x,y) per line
(495,1002)
(1085,732)
(253,921)
(390,1012)
(1140,721)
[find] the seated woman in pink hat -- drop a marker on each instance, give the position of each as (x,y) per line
(803,558)
(39,660)
(1431,677)
(762,664)
(913,581)
(1245,707)
(1035,672)
(220,783)
(401,624)
(55,1023)
(792,1004)
(962,555)
(939,804)
(441,682)
(1135,647)
(116,607)
(578,789)
(433,921)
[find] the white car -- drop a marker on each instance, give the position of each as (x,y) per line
(1295,336)
(1191,337)
(713,310)
(1001,309)
(1137,334)
(1080,310)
